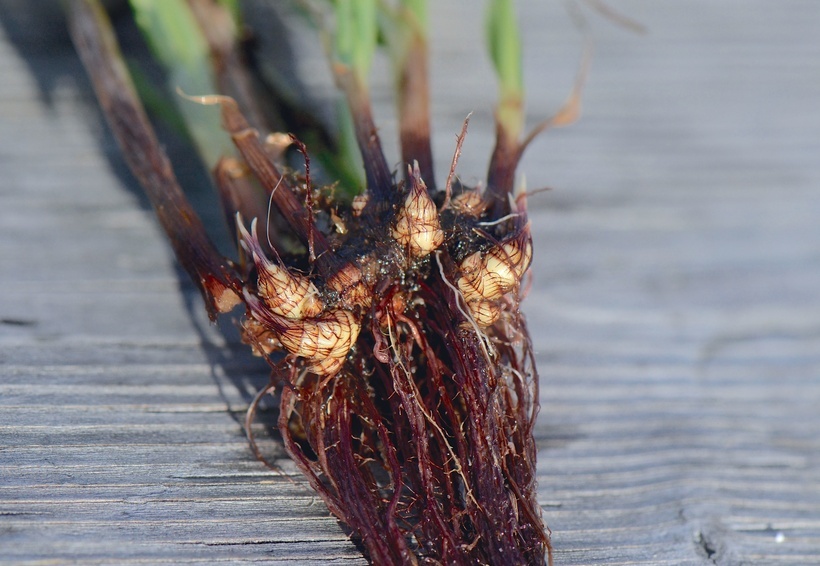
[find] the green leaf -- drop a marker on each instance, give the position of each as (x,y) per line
(403,27)
(504,45)
(156,101)
(418,9)
(356,35)
(177,41)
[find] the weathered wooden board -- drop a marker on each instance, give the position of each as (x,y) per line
(675,306)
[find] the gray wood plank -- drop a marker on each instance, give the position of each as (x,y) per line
(675,306)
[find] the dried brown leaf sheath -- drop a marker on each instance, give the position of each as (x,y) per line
(408,386)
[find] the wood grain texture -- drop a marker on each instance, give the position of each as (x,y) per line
(675,305)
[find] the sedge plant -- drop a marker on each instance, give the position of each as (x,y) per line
(402,362)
